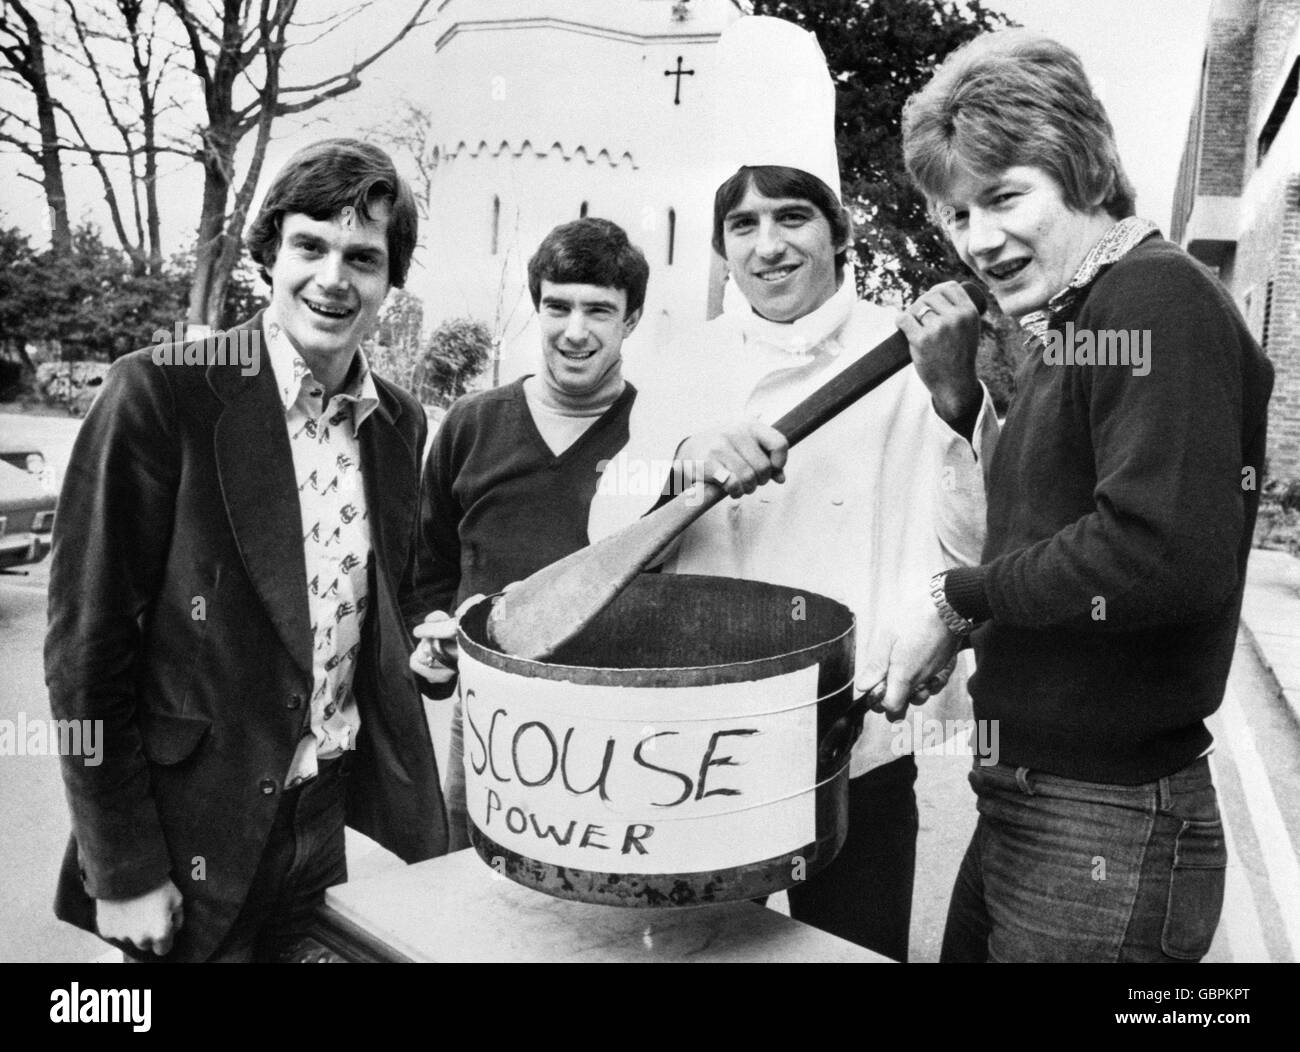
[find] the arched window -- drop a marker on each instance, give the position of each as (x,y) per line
(582,212)
(672,233)
(496,221)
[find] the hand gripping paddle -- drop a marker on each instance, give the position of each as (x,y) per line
(549,608)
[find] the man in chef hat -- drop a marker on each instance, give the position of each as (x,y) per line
(872,498)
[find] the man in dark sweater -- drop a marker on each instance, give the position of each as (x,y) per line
(1121,504)
(509,480)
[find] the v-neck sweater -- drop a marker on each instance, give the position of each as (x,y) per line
(497,503)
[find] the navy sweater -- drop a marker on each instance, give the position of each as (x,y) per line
(1120,514)
(497,504)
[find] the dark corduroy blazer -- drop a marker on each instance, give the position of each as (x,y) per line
(178,615)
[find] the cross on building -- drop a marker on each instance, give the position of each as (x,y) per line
(678,73)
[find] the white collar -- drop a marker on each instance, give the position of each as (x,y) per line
(294,380)
(804,336)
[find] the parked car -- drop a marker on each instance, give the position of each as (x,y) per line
(32,460)
(26,516)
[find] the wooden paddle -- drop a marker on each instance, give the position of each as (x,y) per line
(546,610)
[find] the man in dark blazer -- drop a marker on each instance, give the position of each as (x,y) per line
(231,559)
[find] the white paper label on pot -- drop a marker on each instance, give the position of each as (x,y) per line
(641,779)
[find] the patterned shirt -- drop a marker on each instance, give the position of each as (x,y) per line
(336,538)
(1113,246)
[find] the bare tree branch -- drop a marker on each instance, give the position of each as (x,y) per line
(412,132)
(194,31)
(334,22)
(235,49)
(114,212)
(25,148)
(27,59)
(92,64)
(358,67)
(11,115)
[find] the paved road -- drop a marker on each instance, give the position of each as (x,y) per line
(33,813)
(1256,765)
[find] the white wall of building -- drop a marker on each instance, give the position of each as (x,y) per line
(541,105)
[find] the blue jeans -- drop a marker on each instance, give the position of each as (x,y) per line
(1063,870)
(304,855)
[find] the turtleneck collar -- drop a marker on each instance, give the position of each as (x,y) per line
(804,336)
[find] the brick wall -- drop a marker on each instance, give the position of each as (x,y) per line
(1268,249)
(1284,341)
(1185,186)
(1247,45)
(1226,100)
(1275,25)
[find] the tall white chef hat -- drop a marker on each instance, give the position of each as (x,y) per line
(776,102)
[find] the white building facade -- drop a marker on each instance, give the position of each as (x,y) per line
(545,110)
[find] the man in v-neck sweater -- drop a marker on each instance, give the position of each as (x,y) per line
(510,478)
(509,482)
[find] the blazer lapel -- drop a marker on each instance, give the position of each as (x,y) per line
(260,489)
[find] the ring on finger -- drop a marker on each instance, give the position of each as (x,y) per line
(925,309)
(721,476)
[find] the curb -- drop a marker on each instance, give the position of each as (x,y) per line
(1270,618)
(1291,697)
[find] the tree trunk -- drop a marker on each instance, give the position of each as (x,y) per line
(52,179)
(207,256)
(208,290)
(220,235)
(149,121)
(34,73)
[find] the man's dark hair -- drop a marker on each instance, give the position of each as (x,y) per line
(774,180)
(590,252)
(321,180)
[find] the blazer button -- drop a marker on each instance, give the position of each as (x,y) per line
(295,701)
(267,786)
